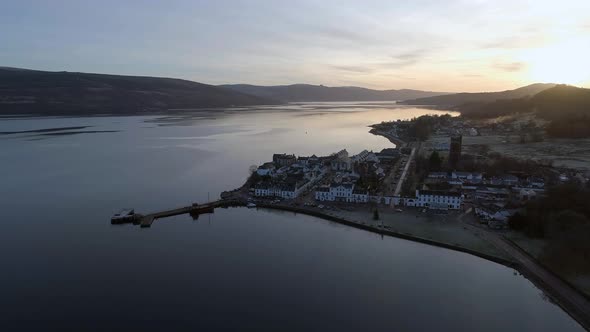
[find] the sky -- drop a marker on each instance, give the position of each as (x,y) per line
(450,45)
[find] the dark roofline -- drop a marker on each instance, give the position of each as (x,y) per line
(439,193)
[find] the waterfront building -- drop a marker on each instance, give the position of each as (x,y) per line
(266,169)
(341,192)
(443,200)
(322,193)
(359,195)
(287,190)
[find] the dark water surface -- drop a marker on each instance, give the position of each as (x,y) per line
(65,267)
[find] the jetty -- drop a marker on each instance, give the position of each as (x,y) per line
(146,220)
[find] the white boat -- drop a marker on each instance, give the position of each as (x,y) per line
(251,205)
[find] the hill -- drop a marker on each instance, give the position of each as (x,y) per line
(25,91)
(309,93)
(456,99)
(562,101)
(567,108)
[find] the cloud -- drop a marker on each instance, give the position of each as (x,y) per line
(407,58)
(352,68)
(345,35)
(509,67)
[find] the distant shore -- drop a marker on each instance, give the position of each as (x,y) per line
(393,139)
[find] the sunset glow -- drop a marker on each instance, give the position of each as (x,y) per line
(563,62)
(427,45)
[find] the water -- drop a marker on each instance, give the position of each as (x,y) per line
(65,267)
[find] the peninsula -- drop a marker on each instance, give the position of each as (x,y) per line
(409,191)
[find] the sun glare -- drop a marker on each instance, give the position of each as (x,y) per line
(563,62)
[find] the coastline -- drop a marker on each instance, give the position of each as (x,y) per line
(576,311)
(393,139)
(392,233)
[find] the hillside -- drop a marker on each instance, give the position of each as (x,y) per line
(567,108)
(59,93)
(457,99)
(308,93)
(562,101)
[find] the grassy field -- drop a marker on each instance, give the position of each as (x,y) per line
(441,228)
(570,153)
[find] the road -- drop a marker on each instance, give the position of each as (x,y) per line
(570,299)
(402,178)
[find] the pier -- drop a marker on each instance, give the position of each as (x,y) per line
(147,220)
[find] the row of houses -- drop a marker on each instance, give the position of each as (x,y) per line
(346,192)
(507,180)
(349,193)
(432,200)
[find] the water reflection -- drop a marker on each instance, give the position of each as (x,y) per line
(67,267)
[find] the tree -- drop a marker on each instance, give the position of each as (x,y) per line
(375,214)
(517,222)
(252,169)
(435,161)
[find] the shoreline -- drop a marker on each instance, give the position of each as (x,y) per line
(574,311)
(381,231)
(398,142)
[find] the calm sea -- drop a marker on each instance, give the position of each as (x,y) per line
(65,267)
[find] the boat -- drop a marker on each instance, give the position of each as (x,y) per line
(123,216)
(251,205)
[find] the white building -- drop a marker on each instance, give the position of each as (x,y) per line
(526,195)
(323,194)
(286,191)
(443,200)
(467,177)
(341,161)
(341,164)
(494,215)
(536,182)
(364,156)
(359,196)
(341,192)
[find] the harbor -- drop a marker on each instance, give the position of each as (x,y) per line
(146,221)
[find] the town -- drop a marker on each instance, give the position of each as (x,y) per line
(431,178)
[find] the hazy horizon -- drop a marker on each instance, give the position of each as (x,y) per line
(458,46)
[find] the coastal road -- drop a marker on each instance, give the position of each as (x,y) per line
(570,299)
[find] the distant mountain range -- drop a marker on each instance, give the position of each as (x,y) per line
(33,92)
(310,93)
(24,91)
(456,99)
